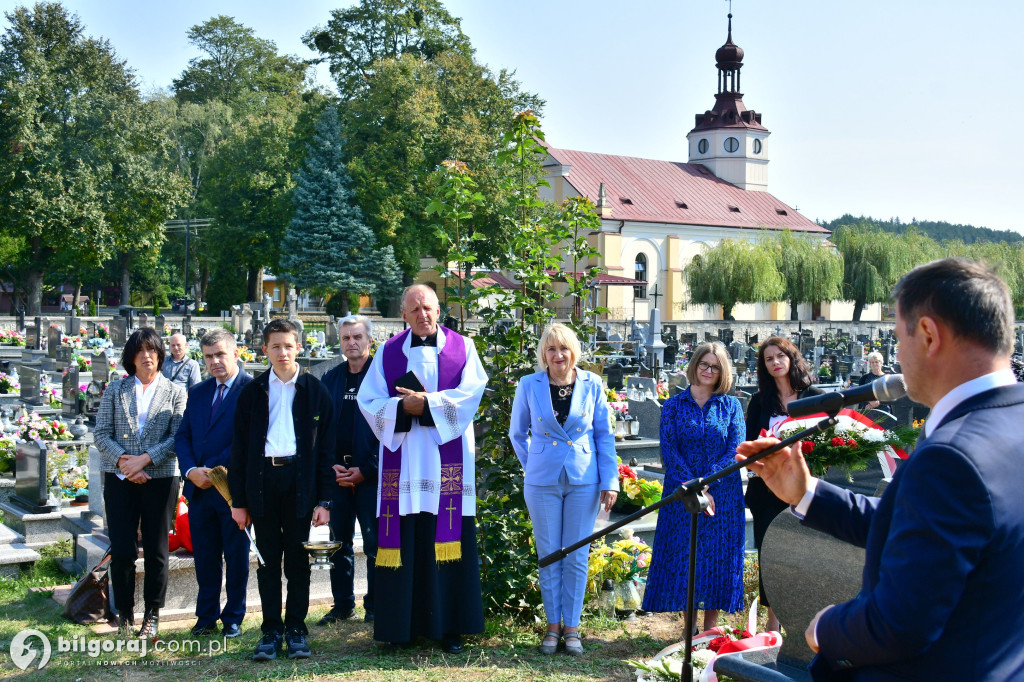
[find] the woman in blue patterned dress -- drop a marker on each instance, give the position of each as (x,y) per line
(700,429)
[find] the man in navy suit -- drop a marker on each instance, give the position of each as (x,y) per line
(204,441)
(941,597)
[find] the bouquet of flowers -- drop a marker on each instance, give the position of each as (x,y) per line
(850,444)
(53,397)
(102,331)
(73,341)
(12,337)
(246,355)
(8,384)
(74,481)
(636,490)
(84,363)
(97,343)
(825,370)
(34,427)
(625,561)
(662,391)
(7,451)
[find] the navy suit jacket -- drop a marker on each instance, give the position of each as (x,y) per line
(200,442)
(943,594)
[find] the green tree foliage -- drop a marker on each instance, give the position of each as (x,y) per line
(811,271)
(328,248)
(358,37)
(80,146)
(732,272)
(873,261)
(939,230)
(237,68)
(415,97)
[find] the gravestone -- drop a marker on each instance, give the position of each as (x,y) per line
(725,334)
(293,299)
(302,330)
(31,489)
(72,325)
(30,385)
(160,324)
(267,304)
(21,318)
(321,338)
(614,374)
(143,320)
(69,392)
(186,326)
(52,341)
(688,337)
(32,357)
(803,572)
(332,334)
(257,321)
(100,367)
(90,329)
(257,343)
(118,332)
(65,358)
(648,412)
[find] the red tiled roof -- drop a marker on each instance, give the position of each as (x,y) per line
(657,188)
(490,279)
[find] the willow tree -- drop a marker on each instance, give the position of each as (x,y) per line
(873,261)
(733,272)
(811,270)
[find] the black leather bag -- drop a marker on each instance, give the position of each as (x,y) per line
(89,600)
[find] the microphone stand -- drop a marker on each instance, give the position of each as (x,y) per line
(692,497)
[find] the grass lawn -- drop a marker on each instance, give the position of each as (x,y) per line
(342,651)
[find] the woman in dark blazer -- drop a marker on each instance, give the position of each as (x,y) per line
(561,431)
(135,426)
(782,377)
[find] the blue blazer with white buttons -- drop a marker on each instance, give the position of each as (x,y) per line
(584,446)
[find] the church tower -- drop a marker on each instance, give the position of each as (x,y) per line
(729,140)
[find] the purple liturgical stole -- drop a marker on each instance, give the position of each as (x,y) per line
(451,361)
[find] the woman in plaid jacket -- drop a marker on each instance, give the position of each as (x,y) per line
(135,427)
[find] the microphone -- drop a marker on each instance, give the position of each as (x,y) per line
(884,389)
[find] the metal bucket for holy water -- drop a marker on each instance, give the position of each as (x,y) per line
(321,549)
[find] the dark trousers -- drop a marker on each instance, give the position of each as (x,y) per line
(216,535)
(280,533)
(347,506)
(764,507)
(131,507)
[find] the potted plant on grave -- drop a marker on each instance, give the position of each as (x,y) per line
(625,563)
(8,384)
(8,446)
(635,492)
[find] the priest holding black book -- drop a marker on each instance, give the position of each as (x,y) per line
(420,396)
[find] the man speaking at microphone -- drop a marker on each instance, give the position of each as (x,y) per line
(944,545)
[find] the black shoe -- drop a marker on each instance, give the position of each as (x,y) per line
(453,644)
(232,630)
(297,647)
(126,626)
(334,615)
(368,618)
(150,624)
(268,648)
(204,630)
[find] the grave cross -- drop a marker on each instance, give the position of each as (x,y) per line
(655,295)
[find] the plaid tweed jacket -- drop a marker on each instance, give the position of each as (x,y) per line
(117,426)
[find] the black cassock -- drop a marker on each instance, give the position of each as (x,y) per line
(424,598)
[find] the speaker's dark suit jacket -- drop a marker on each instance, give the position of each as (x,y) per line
(943,586)
(200,441)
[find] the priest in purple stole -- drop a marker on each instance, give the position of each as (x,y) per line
(420,397)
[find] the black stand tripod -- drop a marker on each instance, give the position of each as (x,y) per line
(692,497)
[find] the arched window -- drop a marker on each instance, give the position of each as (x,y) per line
(640,273)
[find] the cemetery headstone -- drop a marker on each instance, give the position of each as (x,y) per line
(32,341)
(72,325)
(160,324)
(614,374)
(128,313)
(31,488)
(247,338)
(64,357)
(90,329)
(293,299)
(186,326)
(30,385)
(143,320)
(725,334)
(52,341)
(69,392)
(119,332)
(332,334)
(100,367)
(21,318)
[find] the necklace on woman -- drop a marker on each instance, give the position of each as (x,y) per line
(565,391)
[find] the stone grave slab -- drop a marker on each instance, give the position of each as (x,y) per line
(30,485)
(69,392)
(52,341)
(118,332)
(72,325)
(30,385)
(160,325)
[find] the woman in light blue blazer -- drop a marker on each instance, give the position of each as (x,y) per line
(562,434)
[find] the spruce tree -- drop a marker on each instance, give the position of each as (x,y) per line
(328,248)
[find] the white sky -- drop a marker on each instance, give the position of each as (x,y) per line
(879,107)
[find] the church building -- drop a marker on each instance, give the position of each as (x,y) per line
(657,215)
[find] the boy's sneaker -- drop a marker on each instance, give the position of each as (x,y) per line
(297,647)
(268,648)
